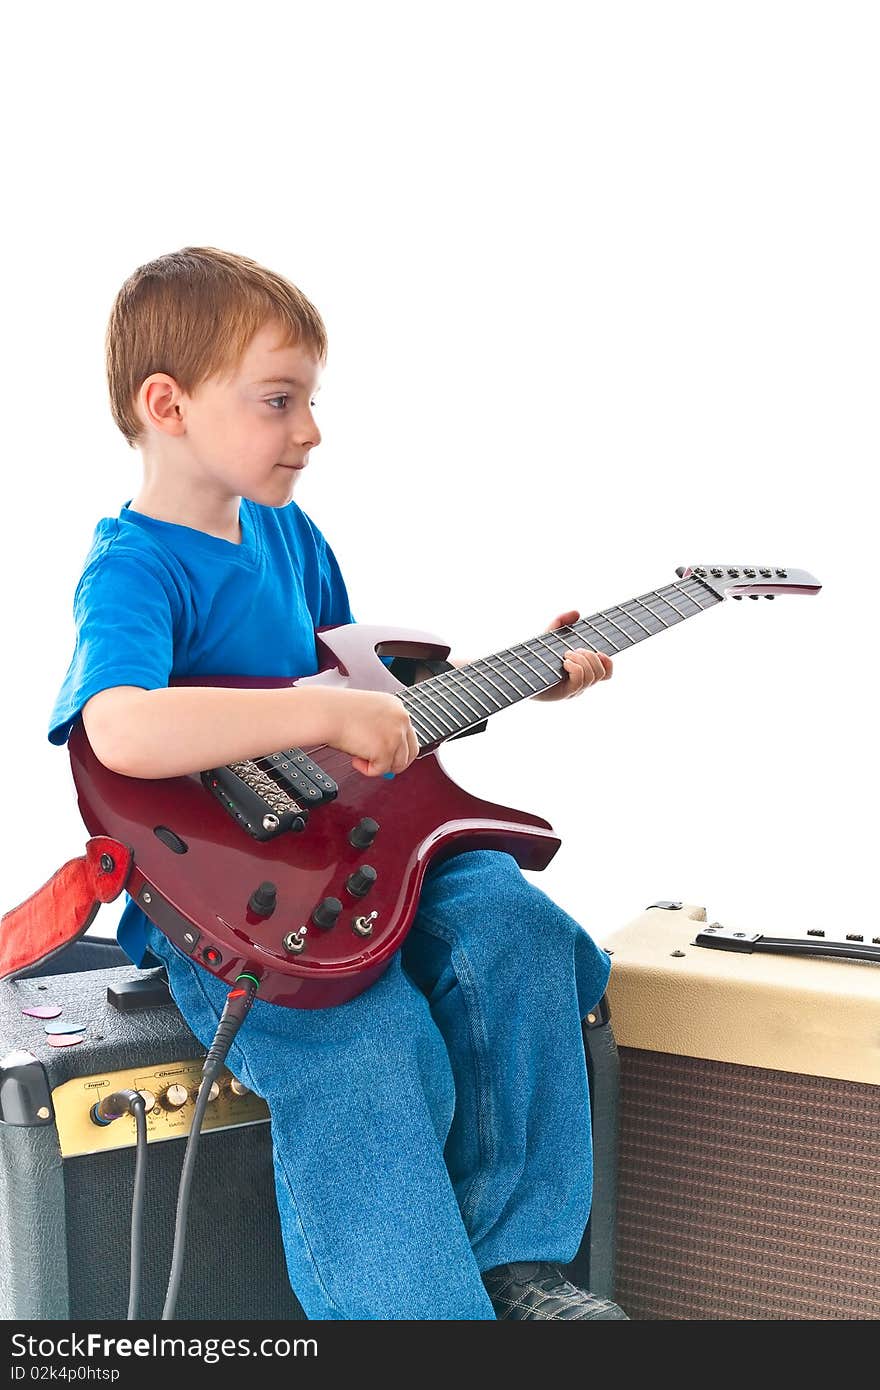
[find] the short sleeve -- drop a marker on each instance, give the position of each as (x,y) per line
(335,607)
(124,619)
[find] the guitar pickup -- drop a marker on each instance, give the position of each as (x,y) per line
(295,773)
(255,800)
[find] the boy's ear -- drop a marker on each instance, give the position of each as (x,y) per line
(159,403)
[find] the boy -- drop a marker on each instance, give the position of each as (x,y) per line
(431,1137)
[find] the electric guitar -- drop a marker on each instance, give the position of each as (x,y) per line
(307,874)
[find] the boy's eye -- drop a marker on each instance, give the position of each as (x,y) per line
(285,399)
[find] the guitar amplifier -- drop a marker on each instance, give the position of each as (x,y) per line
(749,1138)
(66,1185)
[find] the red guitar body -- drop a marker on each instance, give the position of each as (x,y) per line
(199,896)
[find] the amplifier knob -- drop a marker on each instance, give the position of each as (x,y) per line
(212,1094)
(174,1097)
(237,1088)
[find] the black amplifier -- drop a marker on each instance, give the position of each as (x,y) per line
(66,1184)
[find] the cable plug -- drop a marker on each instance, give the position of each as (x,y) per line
(114,1106)
(235,1010)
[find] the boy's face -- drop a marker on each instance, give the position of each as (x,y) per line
(251,435)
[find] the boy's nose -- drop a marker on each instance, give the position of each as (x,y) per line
(307,431)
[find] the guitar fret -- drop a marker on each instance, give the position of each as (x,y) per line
(531,667)
(572,646)
(458,682)
(441,715)
(459,698)
(530,689)
(423,733)
(601,635)
(436,692)
(439,691)
(664,599)
(488,677)
(660,619)
(414,698)
(545,638)
(498,657)
(694,590)
(424,714)
(608,618)
(633,619)
(474,674)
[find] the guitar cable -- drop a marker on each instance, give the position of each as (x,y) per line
(104,1112)
(238,1002)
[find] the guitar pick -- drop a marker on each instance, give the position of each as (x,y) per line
(43,1011)
(64,1028)
(65,1039)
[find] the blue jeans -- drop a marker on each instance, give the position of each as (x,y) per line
(438,1124)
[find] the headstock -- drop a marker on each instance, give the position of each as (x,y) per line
(735,581)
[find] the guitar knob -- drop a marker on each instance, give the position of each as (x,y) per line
(364,833)
(326,913)
(361,881)
(263,900)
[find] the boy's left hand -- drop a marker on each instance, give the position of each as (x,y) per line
(582,667)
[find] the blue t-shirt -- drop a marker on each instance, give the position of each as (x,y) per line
(157,600)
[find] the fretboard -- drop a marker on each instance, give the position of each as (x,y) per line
(459,699)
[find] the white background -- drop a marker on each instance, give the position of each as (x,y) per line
(601,288)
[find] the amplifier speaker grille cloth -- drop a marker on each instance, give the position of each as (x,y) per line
(746,1193)
(234,1264)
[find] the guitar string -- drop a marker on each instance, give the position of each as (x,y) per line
(467,674)
(343,761)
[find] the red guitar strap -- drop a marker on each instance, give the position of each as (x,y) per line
(65,907)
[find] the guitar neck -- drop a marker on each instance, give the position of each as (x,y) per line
(457,700)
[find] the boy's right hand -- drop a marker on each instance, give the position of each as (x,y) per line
(376,729)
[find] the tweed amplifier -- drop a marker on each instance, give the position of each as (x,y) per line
(66,1185)
(749,1139)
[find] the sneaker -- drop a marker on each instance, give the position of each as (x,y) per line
(538,1289)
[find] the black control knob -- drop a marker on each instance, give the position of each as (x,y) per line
(263,900)
(326,913)
(361,881)
(364,833)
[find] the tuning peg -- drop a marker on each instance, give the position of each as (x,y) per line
(738,597)
(769,595)
(755,597)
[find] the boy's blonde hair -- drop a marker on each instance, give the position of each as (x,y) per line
(192,314)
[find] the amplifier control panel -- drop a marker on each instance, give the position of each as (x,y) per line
(169,1090)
